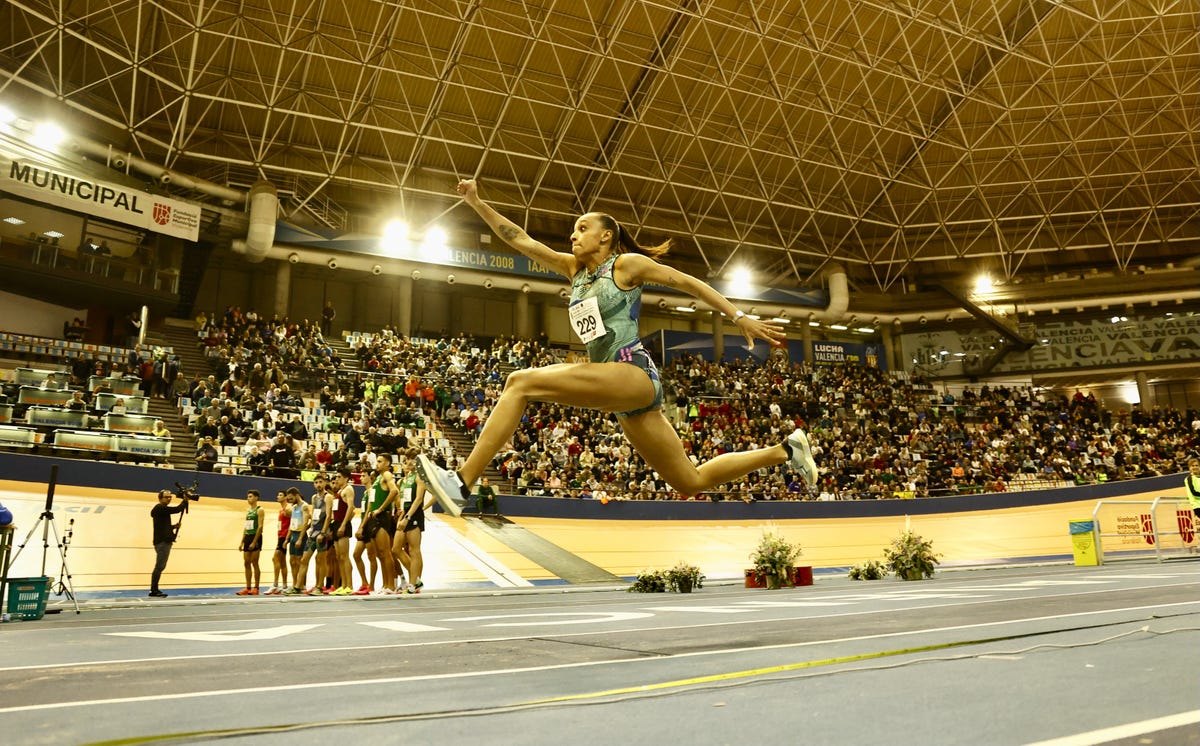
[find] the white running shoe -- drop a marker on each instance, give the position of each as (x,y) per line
(802,459)
(444,484)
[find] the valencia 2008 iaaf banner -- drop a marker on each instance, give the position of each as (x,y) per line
(101,198)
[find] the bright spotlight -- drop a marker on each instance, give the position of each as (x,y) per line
(6,114)
(48,135)
(435,238)
(395,237)
(739,280)
(984,284)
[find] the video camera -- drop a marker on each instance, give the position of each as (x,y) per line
(187,492)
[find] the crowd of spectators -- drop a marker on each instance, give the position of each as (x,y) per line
(875,434)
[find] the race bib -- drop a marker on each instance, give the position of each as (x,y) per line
(586,321)
(250,527)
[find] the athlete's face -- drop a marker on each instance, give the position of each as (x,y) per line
(590,237)
(252,500)
(1194,468)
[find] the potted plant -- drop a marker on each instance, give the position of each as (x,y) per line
(910,557)
(773,559)
(869,570)
(682,578)
(649,581)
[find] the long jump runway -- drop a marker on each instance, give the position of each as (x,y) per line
(1058,655)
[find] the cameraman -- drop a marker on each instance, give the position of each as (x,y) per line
(164,535)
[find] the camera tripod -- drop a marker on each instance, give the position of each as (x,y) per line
(46,522)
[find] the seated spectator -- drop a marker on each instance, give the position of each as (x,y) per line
(118,407)
(160,430)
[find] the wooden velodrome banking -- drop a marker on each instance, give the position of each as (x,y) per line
(110,550)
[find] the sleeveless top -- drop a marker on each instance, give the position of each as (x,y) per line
(408,490)
(318,510)
(377,495)
(297,516)
(251,521)
(619,310)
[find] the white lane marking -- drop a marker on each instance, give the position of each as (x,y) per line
(703,609)
(404,627)
(237,693)
(727,623)
(1119,732)
(791,604)
(226,635)
(591,617)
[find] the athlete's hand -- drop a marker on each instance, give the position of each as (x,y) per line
(769,331)
(468,189)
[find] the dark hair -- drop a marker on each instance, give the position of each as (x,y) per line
(292,491)
(345,471)
(624,243)
(253,492)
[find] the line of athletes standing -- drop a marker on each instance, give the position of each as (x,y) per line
(389,534)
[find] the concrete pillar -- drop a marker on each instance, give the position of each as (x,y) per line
(283,287)
(521,316)
(1144,392)
(806,340)
(549,308)
(404,305)
(718,332)
(889,347)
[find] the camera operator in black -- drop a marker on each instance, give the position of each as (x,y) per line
(164,535)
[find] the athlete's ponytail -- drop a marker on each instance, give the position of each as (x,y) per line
(623,242)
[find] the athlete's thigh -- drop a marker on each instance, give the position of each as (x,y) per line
(652,436)
(414,539)
(610,387)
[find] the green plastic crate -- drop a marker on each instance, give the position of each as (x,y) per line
(27,597)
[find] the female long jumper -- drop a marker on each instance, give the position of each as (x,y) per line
(607,269)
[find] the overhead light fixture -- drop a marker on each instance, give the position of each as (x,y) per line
(865,330)
(984,283)
(839,327)
(781,319)
(53,234)
(686,309)
(12,220)
(814,323)
(48,135)
(435,238)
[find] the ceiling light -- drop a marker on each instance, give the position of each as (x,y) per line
(984,284)
(48,135)
(814,323)
(14,221)
(53,234)
(780,319)
(839,327)
(685,309)
(865,330)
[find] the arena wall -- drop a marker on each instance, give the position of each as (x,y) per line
(110,551)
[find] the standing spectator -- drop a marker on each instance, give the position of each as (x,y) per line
(328,314)
(282,458)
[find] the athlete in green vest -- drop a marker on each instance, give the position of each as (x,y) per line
(251,544)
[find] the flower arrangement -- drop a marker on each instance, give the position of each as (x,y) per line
(682,578)
(869,570)
(774,558)
(910,557)
(649,581)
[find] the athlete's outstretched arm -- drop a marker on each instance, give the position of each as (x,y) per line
(638,269)
(515,236)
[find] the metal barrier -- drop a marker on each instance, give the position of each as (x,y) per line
(1149,530)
